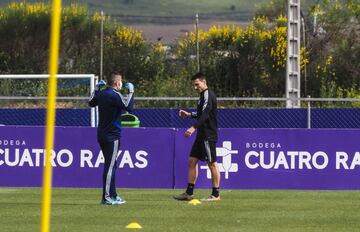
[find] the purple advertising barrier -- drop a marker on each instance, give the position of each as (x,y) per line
(248,158)
(145,158)
(278,159)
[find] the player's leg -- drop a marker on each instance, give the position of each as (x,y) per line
(195,154)
(105,150)
(215,178)
(192,174)
(110,150)
(113,194)
(210,148)
(116,146)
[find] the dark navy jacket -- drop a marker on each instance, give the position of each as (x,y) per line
(111,104)
(206,117)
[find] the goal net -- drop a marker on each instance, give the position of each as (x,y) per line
(30,91)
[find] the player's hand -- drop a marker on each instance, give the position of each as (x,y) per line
(130,87)
(184,114)
(189,132)
(99,85)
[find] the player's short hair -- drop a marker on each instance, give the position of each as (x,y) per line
(111,78)
(199,75)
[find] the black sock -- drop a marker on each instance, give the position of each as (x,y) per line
(215,191)
(190,189)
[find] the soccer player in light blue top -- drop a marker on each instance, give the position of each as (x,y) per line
(111,104)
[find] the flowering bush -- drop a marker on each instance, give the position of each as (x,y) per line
(247,61)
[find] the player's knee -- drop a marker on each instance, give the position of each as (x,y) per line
(212,165)
(192,163)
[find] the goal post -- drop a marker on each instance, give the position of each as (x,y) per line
(92,78)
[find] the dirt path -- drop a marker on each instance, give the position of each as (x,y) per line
(169,34)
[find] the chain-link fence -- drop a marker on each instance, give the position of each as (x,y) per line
(314,113)
(249,102)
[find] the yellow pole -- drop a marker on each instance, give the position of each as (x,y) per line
(50,115)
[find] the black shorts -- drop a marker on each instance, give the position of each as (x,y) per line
(204,150)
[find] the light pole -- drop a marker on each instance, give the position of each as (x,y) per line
(101,44)
(197,42)
(293,54)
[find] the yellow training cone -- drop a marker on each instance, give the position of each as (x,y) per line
(194,202)
(133,225)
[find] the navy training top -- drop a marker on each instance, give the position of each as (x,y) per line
(206,115)
(111,105)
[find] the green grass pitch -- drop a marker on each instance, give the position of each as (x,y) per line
(155,210)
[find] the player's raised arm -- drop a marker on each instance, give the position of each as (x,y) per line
(93,98)
(126,102)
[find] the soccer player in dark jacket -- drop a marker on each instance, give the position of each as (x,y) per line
(204,147)
(111,104)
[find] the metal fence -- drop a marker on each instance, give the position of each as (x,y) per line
(345,115)
(339,113)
